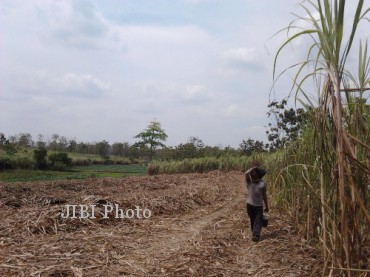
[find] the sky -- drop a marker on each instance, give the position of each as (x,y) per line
(103,70)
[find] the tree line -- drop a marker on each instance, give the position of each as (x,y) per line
(284,128)
(192,148)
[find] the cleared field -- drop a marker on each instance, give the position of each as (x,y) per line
(198,227)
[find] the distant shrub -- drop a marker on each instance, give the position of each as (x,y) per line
(10,149)
(39,155)
(59,166)
(5,163)
(108,161)
(124,161)
(97,162)
(152,169)
(59,158)
(23,163)
(139,161)
(80,162)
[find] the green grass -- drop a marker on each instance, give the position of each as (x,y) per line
(27,153)
(111,169)
(76,172)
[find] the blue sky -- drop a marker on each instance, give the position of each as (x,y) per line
(94,70)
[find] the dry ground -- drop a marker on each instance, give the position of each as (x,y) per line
(198,227)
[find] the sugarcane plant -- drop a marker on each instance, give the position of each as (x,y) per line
(340,131)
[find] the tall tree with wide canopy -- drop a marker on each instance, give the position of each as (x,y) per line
(152,137)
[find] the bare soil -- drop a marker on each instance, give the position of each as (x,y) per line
(198,227)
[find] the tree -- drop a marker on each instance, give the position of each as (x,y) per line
(102,149)
(61,158)
(40,141)
(58,143)
(247,147)
(197,142)
(82,148)
(39,155)
(118,149)
(53,144)
(288,124)
(152,137)
(192,149)
(3,140)
(72,145)
(25,140)
(8,147)
(63,143)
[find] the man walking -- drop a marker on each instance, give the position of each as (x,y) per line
(256,197)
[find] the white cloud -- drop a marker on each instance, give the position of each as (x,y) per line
(77,25)
(240,54)
(194,1)
(67,85)
(241,60)
(197,93)
(200,67)
(234,110)
(81,85)
(171,51)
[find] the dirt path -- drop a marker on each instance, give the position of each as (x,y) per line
(216,241)
(199,228)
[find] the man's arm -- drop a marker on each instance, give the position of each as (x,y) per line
(265,200)
(248,177)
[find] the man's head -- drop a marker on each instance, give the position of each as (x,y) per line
(260,172)
(256,172)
